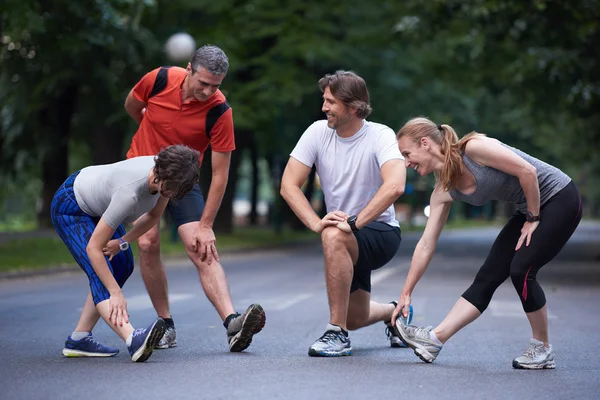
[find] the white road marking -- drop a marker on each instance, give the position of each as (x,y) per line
(382,274)
(278,303)
(510,308)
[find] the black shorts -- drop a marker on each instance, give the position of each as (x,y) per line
(187,209)
(378,243)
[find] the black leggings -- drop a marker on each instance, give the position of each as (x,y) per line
(558,219)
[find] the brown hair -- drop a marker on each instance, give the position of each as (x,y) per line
(450,146)
(351,89)
(178,167)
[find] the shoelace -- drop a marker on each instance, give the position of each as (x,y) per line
(419,332)
(93,341)
(329,336)
(534,350)
(137,332)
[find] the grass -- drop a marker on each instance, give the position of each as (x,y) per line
(43,252)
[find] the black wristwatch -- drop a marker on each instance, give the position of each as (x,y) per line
(531,218)
(352,222)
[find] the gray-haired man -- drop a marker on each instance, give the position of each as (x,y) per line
(185,106)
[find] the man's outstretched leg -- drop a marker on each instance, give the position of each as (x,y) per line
(240,327)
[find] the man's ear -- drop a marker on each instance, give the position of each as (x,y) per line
(352,110)
(189,69)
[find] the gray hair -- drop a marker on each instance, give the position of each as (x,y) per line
(211,58)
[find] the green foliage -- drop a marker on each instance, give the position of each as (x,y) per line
(44,252)
(525,72)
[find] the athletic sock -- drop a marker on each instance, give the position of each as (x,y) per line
(434,338)
(79,335)
(229,318)
(129,339)
(169,322)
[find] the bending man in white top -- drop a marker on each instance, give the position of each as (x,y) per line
(362,173)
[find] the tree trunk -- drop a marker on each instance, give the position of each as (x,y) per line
(56,118)
(106,145)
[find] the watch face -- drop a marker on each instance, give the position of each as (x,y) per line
(124,246)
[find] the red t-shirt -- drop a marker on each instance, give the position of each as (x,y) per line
(168,121)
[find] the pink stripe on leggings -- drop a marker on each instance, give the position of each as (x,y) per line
(524,293)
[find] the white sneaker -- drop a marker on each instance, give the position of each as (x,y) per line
(537,356)
(418,339)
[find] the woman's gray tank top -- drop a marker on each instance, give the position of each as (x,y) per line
(492,184)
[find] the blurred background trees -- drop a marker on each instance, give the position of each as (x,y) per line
(524,72)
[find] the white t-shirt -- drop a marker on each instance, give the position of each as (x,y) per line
(349,168)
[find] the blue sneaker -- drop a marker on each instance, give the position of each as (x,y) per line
(87,347)
(333,343)
(143,341)
(393,337)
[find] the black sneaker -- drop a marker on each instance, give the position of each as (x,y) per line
(244,326)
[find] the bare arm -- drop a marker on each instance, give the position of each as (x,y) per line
(203,239)
(147,221)
(142,226)
(218,184)
(440,207)
(393,174)
(117,305)
(294,176)
(99,239)
(134,107)
(490,152)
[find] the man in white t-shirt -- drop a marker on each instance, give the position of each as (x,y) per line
(362,173)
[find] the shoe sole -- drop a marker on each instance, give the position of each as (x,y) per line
(315,353)
(156,333)
(549,365)
(419,350)
(253,323)
(78,353)
(166,346)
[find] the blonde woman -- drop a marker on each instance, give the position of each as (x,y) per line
(477,169)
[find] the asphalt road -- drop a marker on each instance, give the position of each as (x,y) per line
(37,314)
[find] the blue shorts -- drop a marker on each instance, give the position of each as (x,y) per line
(378,243)
(187,209)
(75,228)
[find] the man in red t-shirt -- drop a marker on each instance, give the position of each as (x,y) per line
(185,106)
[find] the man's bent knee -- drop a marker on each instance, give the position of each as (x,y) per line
(332,235)
(149,243)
